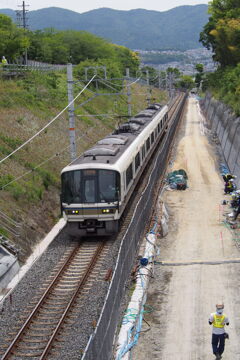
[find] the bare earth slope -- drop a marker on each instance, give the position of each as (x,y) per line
(183,296)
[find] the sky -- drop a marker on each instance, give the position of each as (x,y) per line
(83,6)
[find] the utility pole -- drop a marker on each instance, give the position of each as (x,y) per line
(148,89)
(22,22)
(103,67)
(72,134)
(129,93)
(170,84)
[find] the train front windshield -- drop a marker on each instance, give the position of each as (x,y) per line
(90,186)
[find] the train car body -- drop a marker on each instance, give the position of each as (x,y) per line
(97,186)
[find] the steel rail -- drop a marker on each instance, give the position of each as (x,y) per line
(10,351)
(80,285)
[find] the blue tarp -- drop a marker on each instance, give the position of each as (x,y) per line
(177,179)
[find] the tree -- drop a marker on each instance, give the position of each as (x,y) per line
(222,32)
(185,82)
(97,67)
(127,59)
(152,74)
(174,71)
(199,75)
(14,41)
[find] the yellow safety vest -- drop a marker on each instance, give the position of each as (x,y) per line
(218,320)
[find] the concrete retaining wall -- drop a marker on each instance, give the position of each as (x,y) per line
(226,126)
(9,267)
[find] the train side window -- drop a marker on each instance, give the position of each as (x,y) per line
(129,175)
(152,137)
(137,161)
(158,128)
(143,152)
(148,144)
(161,123)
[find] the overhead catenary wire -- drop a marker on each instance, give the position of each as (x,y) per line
(104,81)
(47,125)
(43,162)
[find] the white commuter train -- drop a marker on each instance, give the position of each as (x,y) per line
(97,186)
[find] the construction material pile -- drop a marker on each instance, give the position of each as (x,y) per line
(177,179)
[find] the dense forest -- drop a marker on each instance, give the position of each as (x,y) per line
(60,47)
(222,35)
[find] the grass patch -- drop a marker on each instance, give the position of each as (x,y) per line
(5,179)
(13,143)
(4,233)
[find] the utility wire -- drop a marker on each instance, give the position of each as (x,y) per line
(40,131)
(44,162)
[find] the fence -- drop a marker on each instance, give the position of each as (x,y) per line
(100,345)
(226,125)
(19,69)
(13,230)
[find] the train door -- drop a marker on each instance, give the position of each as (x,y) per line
(90,194)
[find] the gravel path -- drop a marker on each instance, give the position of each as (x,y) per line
(184,296)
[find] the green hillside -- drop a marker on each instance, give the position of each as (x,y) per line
(27,104)
(177,28)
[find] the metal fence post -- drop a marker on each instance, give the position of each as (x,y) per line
(129,94)
(71,112)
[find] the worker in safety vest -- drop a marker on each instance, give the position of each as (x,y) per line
(228,176)
(229,186)
(218,320)
(237,211)
(4,61)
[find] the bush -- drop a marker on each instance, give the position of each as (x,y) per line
(225,85)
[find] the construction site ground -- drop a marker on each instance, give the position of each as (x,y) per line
(200,255)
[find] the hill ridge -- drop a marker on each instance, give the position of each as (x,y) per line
(137,28)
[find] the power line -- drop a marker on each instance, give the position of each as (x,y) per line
(45,161)
(47,125)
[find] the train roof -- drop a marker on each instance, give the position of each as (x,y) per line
(108,150)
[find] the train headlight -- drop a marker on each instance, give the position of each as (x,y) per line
(73,212)
(106,211)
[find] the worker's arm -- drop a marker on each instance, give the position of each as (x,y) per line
(210,320)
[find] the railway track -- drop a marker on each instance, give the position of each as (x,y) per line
(42,332)
(59,303)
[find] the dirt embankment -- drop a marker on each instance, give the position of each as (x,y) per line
(26,106)
(183,296)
